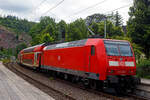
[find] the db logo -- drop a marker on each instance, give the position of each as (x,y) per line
(58,58)
(121,63)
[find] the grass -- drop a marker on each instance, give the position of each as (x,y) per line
(5,60)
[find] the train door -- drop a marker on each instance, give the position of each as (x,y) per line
(37,58)
(87,58)
(92,60)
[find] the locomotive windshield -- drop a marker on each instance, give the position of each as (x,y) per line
(115,48)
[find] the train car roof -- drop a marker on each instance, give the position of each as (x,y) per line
(31,49)
(89,41)
(66,44)
(94,41)
(48,46)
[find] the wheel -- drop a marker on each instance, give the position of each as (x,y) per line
(75,79)
(93,84)
(38,69)
(120,91)
(53,73)
(66,76)
(86,82)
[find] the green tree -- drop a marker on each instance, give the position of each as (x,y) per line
(16,24)
(36,40)
(96,28)
(46,38)
(51,30)
(39,27)
(118,19)
(46,25)
(77,30)
(62,29)
(112,30)
(20,47)
(138,25)
(115,18)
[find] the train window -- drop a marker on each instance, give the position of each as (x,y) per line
(112,50)
(118,48)
(125,50)
(92,50)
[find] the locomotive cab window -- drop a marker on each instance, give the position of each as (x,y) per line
(92,50)
(115,48)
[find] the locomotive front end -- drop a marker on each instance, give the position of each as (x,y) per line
(121,65)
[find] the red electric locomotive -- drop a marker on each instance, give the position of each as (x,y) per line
(95,62)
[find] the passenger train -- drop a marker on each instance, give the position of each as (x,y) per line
(97,63)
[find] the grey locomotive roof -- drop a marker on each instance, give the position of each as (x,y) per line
(66,44)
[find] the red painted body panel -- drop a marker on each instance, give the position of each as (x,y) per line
(38,49)
(29,57)
(98,63)
(75,58)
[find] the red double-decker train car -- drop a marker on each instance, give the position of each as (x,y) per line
(31,56)
(96,62)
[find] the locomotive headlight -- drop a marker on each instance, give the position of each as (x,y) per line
(131,71)
(113,63)
(111,71)
(131,64)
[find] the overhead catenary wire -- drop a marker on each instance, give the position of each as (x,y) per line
(89,7)
(53,7)
(40,4)
(98,4)
(57,18)
(92,6)
(54,14)
(33,10)
(118,8)
(105,32)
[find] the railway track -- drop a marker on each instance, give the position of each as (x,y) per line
(143,91)
(65,95)
(58,95)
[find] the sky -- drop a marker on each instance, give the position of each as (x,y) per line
(68,10)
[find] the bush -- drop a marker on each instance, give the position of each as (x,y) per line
(5,60)
(143,68)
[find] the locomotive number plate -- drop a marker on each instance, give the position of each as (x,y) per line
(121,71)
